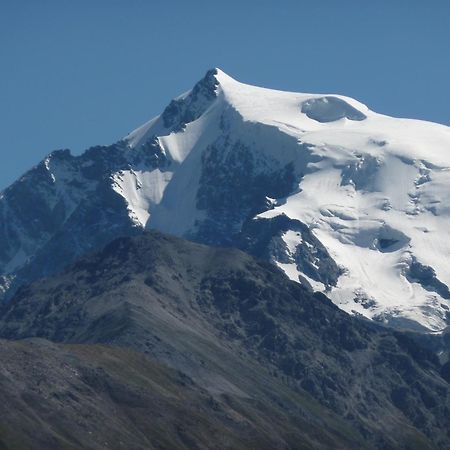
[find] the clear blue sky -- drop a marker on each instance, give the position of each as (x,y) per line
(80,73)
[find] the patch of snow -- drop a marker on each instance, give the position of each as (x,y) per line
(142,190)
(290,269)
(292,239)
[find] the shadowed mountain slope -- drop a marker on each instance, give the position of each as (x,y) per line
(242,330)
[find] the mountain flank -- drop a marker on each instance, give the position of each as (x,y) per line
(244,338)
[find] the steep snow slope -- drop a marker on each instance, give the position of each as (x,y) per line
(343,199)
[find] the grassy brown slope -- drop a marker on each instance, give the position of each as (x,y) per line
(97,396)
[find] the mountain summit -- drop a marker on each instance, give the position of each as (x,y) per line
(345,200)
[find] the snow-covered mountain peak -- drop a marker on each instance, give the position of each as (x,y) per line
(222,77)
(373,189)
(297,111)
(346,200)
(183,109)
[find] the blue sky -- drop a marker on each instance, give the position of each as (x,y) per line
(75,74)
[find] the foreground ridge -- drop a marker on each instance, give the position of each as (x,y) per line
(154,327)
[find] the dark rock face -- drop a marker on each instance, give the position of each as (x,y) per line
(235,186)
(426,276)
(184,110)
(239,327)
(50,222)
(262,238)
